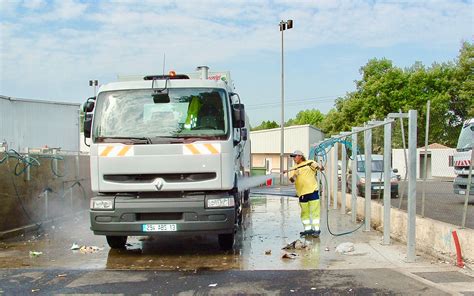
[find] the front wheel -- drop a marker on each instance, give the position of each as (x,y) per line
(116,242)
(226,241)
(246,198)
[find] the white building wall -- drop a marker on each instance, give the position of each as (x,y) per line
(35,124)
(439,162)
(296,138)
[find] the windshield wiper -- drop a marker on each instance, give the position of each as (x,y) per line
(166,140)
(133,140)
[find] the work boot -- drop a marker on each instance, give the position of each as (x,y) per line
(305,233)
(316,233)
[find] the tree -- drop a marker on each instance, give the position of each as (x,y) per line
(313,117)
(384,88)
(266,125)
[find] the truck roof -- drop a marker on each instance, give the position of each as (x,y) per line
(172,83)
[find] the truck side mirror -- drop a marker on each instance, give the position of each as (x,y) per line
(87,125)
(88,106)
(245,134)
(238,115)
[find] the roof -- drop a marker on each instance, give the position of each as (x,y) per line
(38,101)
(286,128)
(435,146)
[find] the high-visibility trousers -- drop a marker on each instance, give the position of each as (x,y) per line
(310,211)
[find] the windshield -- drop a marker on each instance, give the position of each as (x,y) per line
(189,113)
(465,138)
(377,166)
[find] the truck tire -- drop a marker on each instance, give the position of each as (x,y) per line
(116,242)
(246,198)
(226,241)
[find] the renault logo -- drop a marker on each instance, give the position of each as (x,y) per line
(158,183)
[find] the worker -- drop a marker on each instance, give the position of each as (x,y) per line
(303,174)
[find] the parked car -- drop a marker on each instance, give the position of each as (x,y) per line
(377,177)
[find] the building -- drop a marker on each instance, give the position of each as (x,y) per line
(33,124)
(265,145)
(439,164)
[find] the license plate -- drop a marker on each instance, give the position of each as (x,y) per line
(158,227)
(378,187)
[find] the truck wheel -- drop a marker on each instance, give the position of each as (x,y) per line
(226,241)
(246,198)
(395,194)
(116,242)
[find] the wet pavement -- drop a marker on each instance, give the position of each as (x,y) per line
(271,222)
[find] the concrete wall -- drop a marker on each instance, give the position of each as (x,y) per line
(45,196)
(432,237)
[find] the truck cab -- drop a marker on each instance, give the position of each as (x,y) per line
(167,155)
(462,158)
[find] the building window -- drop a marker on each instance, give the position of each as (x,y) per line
(451,160)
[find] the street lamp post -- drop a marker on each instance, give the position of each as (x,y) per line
(94,83)
(283,26)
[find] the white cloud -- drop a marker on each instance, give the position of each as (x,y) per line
(76,40)
(33,4)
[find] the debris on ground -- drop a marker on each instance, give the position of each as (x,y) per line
(89,249)
(289,256)
(344,248)
(75,247)
(34,290)
(62,275)
(35,254)
(212,285)
(296,245)
(327,249)
(268,252)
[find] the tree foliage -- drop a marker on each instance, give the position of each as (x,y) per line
(384,88)
(266,125)
(313,117)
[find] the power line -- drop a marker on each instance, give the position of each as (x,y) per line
(292,102)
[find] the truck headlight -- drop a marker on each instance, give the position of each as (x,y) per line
(102,204)
(222,202)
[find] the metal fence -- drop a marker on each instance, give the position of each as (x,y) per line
(419,180)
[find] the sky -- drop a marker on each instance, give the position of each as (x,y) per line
(50,50)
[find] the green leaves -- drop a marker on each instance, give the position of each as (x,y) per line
(384,88)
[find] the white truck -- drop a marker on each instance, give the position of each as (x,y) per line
(462,158)
(169,155)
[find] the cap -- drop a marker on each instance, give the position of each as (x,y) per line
(297,152)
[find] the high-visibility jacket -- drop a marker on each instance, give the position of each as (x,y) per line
(304,175)
(193,111)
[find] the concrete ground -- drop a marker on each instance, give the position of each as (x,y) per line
(195,265)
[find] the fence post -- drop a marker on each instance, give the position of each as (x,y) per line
(468,191)
(343,178)
(368,176)
(411,207)
(354,177)
(425,159)
(335,178)
(387,172)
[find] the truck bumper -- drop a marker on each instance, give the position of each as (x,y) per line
(189,216)
(460,185)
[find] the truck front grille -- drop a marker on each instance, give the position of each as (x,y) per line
(159,216)
(169,178)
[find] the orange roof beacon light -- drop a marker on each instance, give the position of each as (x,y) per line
(172,73)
